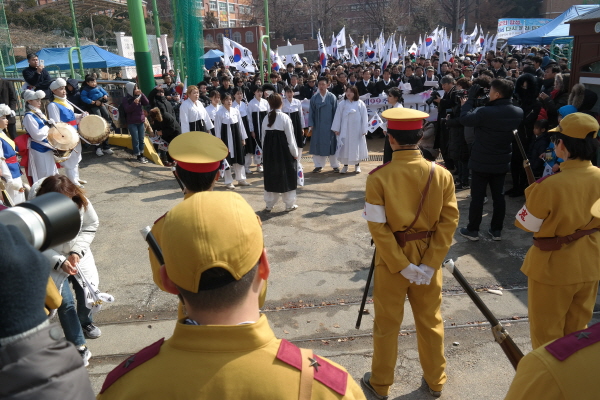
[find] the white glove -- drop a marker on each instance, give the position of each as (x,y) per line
(51,121)
(414,274)
(12,113)
(429,272)
(16,184)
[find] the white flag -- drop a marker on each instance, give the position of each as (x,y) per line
(293,59)
(341,38)
(237,56)
(375,123)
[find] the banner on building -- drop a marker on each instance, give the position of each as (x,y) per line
(509,27)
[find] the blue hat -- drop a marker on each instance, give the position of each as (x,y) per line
(566,110)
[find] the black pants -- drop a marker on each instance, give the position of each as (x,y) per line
(12,131)
(519,177)
(479,184)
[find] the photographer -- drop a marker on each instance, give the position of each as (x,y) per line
(458,149)
(35,361)
(445,105)
(491,153)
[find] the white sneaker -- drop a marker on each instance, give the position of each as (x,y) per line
(99,152)
(344,170)
(248,172)
(243,183)
(86,354)
(81,181)
(109,152)
(357,169)
(230,186)
(259,168)
(292,208)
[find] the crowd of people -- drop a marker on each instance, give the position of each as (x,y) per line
(490,105)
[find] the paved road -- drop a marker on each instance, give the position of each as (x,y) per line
(319,256)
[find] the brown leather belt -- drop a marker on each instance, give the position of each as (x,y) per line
(555,243)
(403,237)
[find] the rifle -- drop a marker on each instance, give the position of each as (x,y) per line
(151,240)
(509,347)
(526,165)
(366,293)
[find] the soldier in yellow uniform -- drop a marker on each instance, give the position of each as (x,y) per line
(562,266)
(199,156)
(412,214)
(216,263)
(564,369)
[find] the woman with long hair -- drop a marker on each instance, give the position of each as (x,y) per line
(192,114)
(69,261)
(280,155)
(351,124)
(230,129)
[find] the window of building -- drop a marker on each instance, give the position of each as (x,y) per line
(222,6)
(249,37)
(213,5)
(208,38)
(236,37)
(224,24)
(232,8)
(232,23)
(219,38)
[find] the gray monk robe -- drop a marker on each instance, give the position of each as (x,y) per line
(323,141)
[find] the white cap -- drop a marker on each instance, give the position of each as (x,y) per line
(4,110)
(31,95)
(129,87)
(58,83)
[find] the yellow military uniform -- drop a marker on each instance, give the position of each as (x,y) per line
(562,284)
(566,369)
(224,362)
(393,194)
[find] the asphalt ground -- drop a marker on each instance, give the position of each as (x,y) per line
(319,256)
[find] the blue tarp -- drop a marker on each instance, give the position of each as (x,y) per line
(92,56)
(211,58)
(556,28)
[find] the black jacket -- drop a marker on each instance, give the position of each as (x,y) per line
(41,81)
(74,96)
(169,127)
(8,96)
(493,125)
(381,87)
(362,89)
(307,92)
(417,84)
(537,147)
(163,105)
(338,90)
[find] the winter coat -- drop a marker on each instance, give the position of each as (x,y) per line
(493,125)
(169,127)
(43,365)
(74,96)
(537,147)
(8,96)
(163,105)
(90,94)
(134,113)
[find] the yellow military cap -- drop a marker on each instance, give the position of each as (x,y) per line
(404,119)
(198,151)
(210,230)
(596,209)
(577,125)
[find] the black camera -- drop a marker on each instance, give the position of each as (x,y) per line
(434,95)
(103,100)
(46,221)
(460,93)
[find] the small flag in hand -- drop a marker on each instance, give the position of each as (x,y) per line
(375,123)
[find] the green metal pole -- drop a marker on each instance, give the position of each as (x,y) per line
(143,60)
(156,25)
(77,45)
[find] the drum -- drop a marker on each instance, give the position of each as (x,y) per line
(63,137)
(94,129)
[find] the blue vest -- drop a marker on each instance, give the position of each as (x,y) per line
(66,115)
(34,145)
(8,153)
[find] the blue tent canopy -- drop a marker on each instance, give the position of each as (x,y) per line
(556,28)
(211,58)
(92,56)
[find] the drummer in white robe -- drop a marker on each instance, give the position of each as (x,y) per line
(41,157)
(61,110)
(350,124)
(230,129)
(9,165)
(192,114)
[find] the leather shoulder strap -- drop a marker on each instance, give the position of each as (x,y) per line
(425,191)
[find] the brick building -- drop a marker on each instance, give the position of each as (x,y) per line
(230,13)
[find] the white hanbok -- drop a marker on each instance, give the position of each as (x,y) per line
(351,121)
(190,112)
(233,137)
(71,165)
(212,111)
(41,164)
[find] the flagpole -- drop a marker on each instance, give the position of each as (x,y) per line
(261,58)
